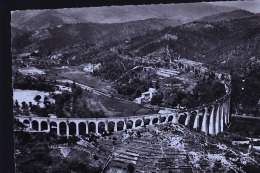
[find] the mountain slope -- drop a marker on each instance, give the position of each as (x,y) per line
(93,33)
(227,16)
(20,17)
(223,43)
(43,19)
(19,37)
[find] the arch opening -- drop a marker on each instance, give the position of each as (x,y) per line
(120,125)
(72,128)
(170,118)
(200,122)
(26,122)
(111,126)
(63,128)
(192,119)
(35,125)
(163,119)
(82,128)
(155,120)
(182,118)
(92,127)
(209,114)
(129,124)
(44,126)
(53,127)
(146,121)
(101,127)
(138,123)
(202,113)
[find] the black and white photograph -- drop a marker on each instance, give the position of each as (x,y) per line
(152,88)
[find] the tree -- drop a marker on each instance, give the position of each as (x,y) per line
(49,52)
(17,104)
(37,98)
(23,104)
(157,99)
(138,134)
(212,75)
(67,84)
(157,86)
(222,77)
(45,99)
(130,168)
(78,90)
(73,85)
(138,92)
(95,157)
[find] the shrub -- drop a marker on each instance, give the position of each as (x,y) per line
(95,157)
(130,168)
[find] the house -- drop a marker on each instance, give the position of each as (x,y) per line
(188,64)
(204,70)
(23,56)
(52,116)
(167,72)
(175,86)
(91,67)
(55,57)
(240,143)
(146,96)
(165,111)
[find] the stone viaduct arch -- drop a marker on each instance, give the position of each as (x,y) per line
(211,119)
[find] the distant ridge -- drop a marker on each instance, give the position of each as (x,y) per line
(227,16)
(33,20)
(118,14)
(43,19)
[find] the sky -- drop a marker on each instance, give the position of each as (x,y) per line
(249,5)
(119,14)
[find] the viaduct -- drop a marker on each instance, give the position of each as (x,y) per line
(210,119)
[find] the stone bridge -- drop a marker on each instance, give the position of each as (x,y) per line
(211,119)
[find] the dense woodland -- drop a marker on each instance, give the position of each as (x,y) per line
(246,91)
(206,91)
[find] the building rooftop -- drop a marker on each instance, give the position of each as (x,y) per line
(189,62)
(152,89)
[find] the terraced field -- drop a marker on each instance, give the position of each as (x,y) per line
(151,153)
(172,148)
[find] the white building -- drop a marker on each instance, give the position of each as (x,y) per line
(193,65)
(91,67)
(167,72)
(55,57)
(146,96)
(240,142)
